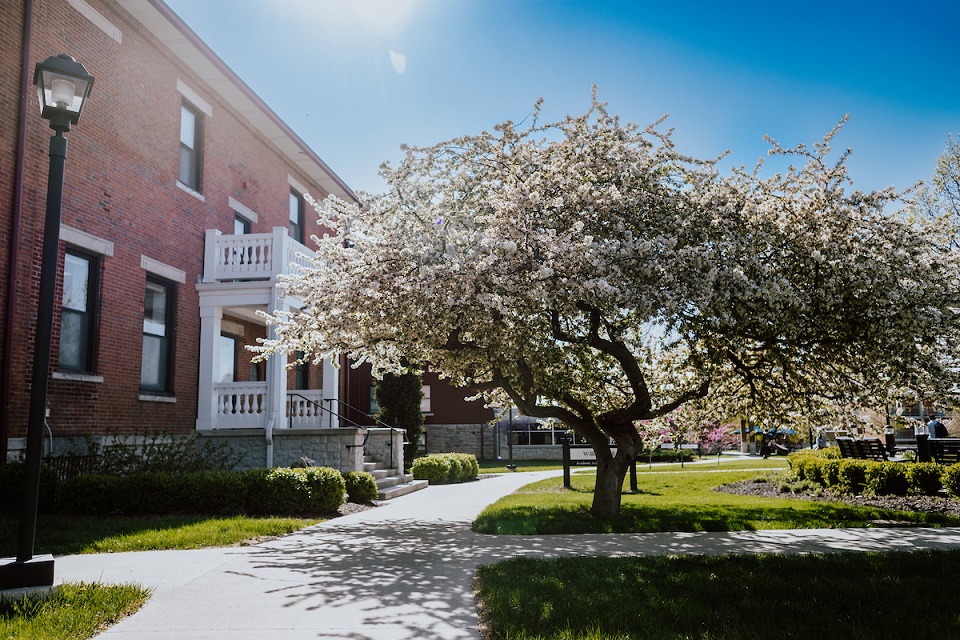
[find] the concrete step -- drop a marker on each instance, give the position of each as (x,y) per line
(403,489)
(393,480)
(384,473)
(370,467)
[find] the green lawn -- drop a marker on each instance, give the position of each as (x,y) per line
(62,535)
(70,612)
(846,596)
(500,466)
(671,500)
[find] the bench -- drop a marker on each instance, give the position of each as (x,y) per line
(866,449)
(945,450)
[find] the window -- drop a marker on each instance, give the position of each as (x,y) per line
(228,358)
(191,147)
(156,366)
(374,405)
(296,216)
(541,433)
(302,372)
(241,225)
(425,403)
(78,315)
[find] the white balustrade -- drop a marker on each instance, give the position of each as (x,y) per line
(252,256)
(304,408)
(240,404)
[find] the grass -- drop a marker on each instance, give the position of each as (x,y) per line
(61,535)
(846,596)
(728,462)
(675,501)
(500,466)
(73,611)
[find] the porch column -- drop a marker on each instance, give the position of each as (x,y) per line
(331,391)
(276,374)
(210,325)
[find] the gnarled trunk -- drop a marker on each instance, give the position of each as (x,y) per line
(610,474)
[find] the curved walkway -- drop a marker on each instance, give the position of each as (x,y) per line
(399,572)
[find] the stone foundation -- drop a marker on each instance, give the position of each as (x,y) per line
(341,449)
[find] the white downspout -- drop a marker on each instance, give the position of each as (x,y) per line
(269,433)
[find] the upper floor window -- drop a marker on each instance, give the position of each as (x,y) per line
(296,216)
(78,314)
(191,147)
(156,365)
(240,224)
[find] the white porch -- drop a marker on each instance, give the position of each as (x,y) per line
(239,279)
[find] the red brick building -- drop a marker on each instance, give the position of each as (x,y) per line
(183,201)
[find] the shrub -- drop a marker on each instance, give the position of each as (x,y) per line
(853,475)
(12,480)
(285,491)
(90,494)
(887,479)
(361,487)
(446,468)
(925,478)
(951,480)
(163,453)
(213,492)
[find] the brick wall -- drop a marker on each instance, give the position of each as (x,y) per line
(121,186)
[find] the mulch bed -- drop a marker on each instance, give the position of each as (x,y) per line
(926,504)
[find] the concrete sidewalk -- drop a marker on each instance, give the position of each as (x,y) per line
(401,571)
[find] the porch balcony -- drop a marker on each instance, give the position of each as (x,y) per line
(251,256)
(243,405)
(240,281)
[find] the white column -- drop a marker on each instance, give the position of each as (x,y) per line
(278,247)
(210,321)
(331,391)
(210,255)
(276,374)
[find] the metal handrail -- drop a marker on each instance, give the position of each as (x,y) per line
(360,411)
(314,403)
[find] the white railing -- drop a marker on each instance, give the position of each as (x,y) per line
(251,256)
(240,404)
(304,408)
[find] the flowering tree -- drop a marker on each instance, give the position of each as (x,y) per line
(586,271)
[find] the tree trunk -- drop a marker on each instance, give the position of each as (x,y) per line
(609,487)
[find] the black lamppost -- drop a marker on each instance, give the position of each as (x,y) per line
(62,87)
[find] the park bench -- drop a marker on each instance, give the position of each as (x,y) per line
(945,450)
(866,449)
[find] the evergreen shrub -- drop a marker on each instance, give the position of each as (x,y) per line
(887,479)
(925,478)
(951,480)
(446,468)
(361,487)
(12,476)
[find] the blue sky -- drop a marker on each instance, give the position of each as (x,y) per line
(357,78)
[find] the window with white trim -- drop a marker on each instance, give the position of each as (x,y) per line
(78,311)
(159,307)
(191,147)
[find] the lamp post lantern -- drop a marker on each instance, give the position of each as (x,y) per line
(63,86)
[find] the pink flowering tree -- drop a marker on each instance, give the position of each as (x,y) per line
(585,270)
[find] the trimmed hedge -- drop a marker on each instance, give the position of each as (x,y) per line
(361,487)
(12,483)
(446,468)
(873,477)
(280,492)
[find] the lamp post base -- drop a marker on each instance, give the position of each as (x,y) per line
(36,572)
